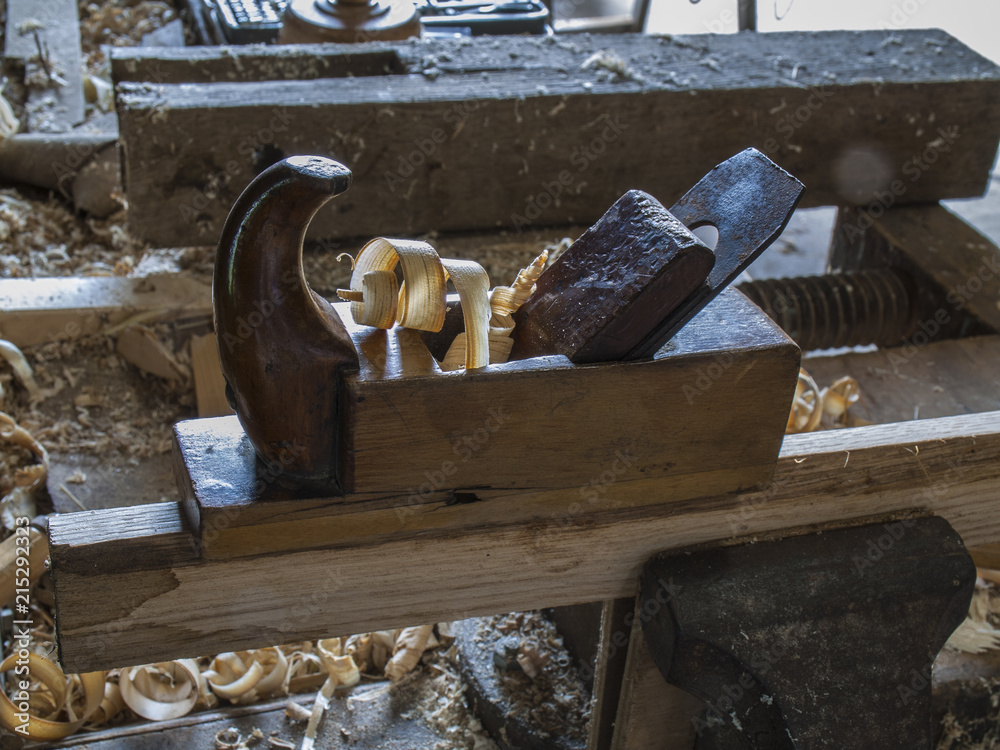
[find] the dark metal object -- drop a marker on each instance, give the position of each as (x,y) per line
(488,698)
(841,309)
(746,15)
(248,21)
(813,642)
(749,199)
(607,291)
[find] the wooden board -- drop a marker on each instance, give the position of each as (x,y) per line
(301,62)
(518,132)
(944,378)
(209,383)
(520,441)
(115,610)
(37,311)
(59,107)
(651,712)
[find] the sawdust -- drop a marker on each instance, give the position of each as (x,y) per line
(100,405)
(118,23)
(41,236)
(554,699)
(437,694)
(980,734)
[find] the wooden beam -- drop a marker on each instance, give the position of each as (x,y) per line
(301,62)
(209,383)
(37,311)
(531,132)
(114,614)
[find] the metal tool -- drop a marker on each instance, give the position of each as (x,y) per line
(811,642)
(748,199)
(284,350)
(856,308)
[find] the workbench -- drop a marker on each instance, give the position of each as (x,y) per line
(172,572)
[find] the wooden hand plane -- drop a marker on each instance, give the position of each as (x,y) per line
(320,400)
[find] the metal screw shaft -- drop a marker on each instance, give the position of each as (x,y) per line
(843,309)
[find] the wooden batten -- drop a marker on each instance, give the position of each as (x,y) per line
(39,311)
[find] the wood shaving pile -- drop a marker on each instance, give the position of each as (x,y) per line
(549,694)
(43,237)
(437,694)
(170,690)
(980,631)
(118,23)
(100,405)
(958,735)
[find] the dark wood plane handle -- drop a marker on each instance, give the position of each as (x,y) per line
(281,345)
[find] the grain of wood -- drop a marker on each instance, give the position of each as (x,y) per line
(249,63)
(209,384)
(164,610)
(652,714)
(944,378)
(564,142)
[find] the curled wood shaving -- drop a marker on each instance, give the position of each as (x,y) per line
(157,692)
(9,124)
(811,405)
(247,676)
(28,480)
(419,302)
(409,647)
(15,358)
(421,305)
(504,302)
(22,714)
(341,671)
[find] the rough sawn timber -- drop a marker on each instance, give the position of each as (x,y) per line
(518,131)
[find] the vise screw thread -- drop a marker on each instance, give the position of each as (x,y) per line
(853,308)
